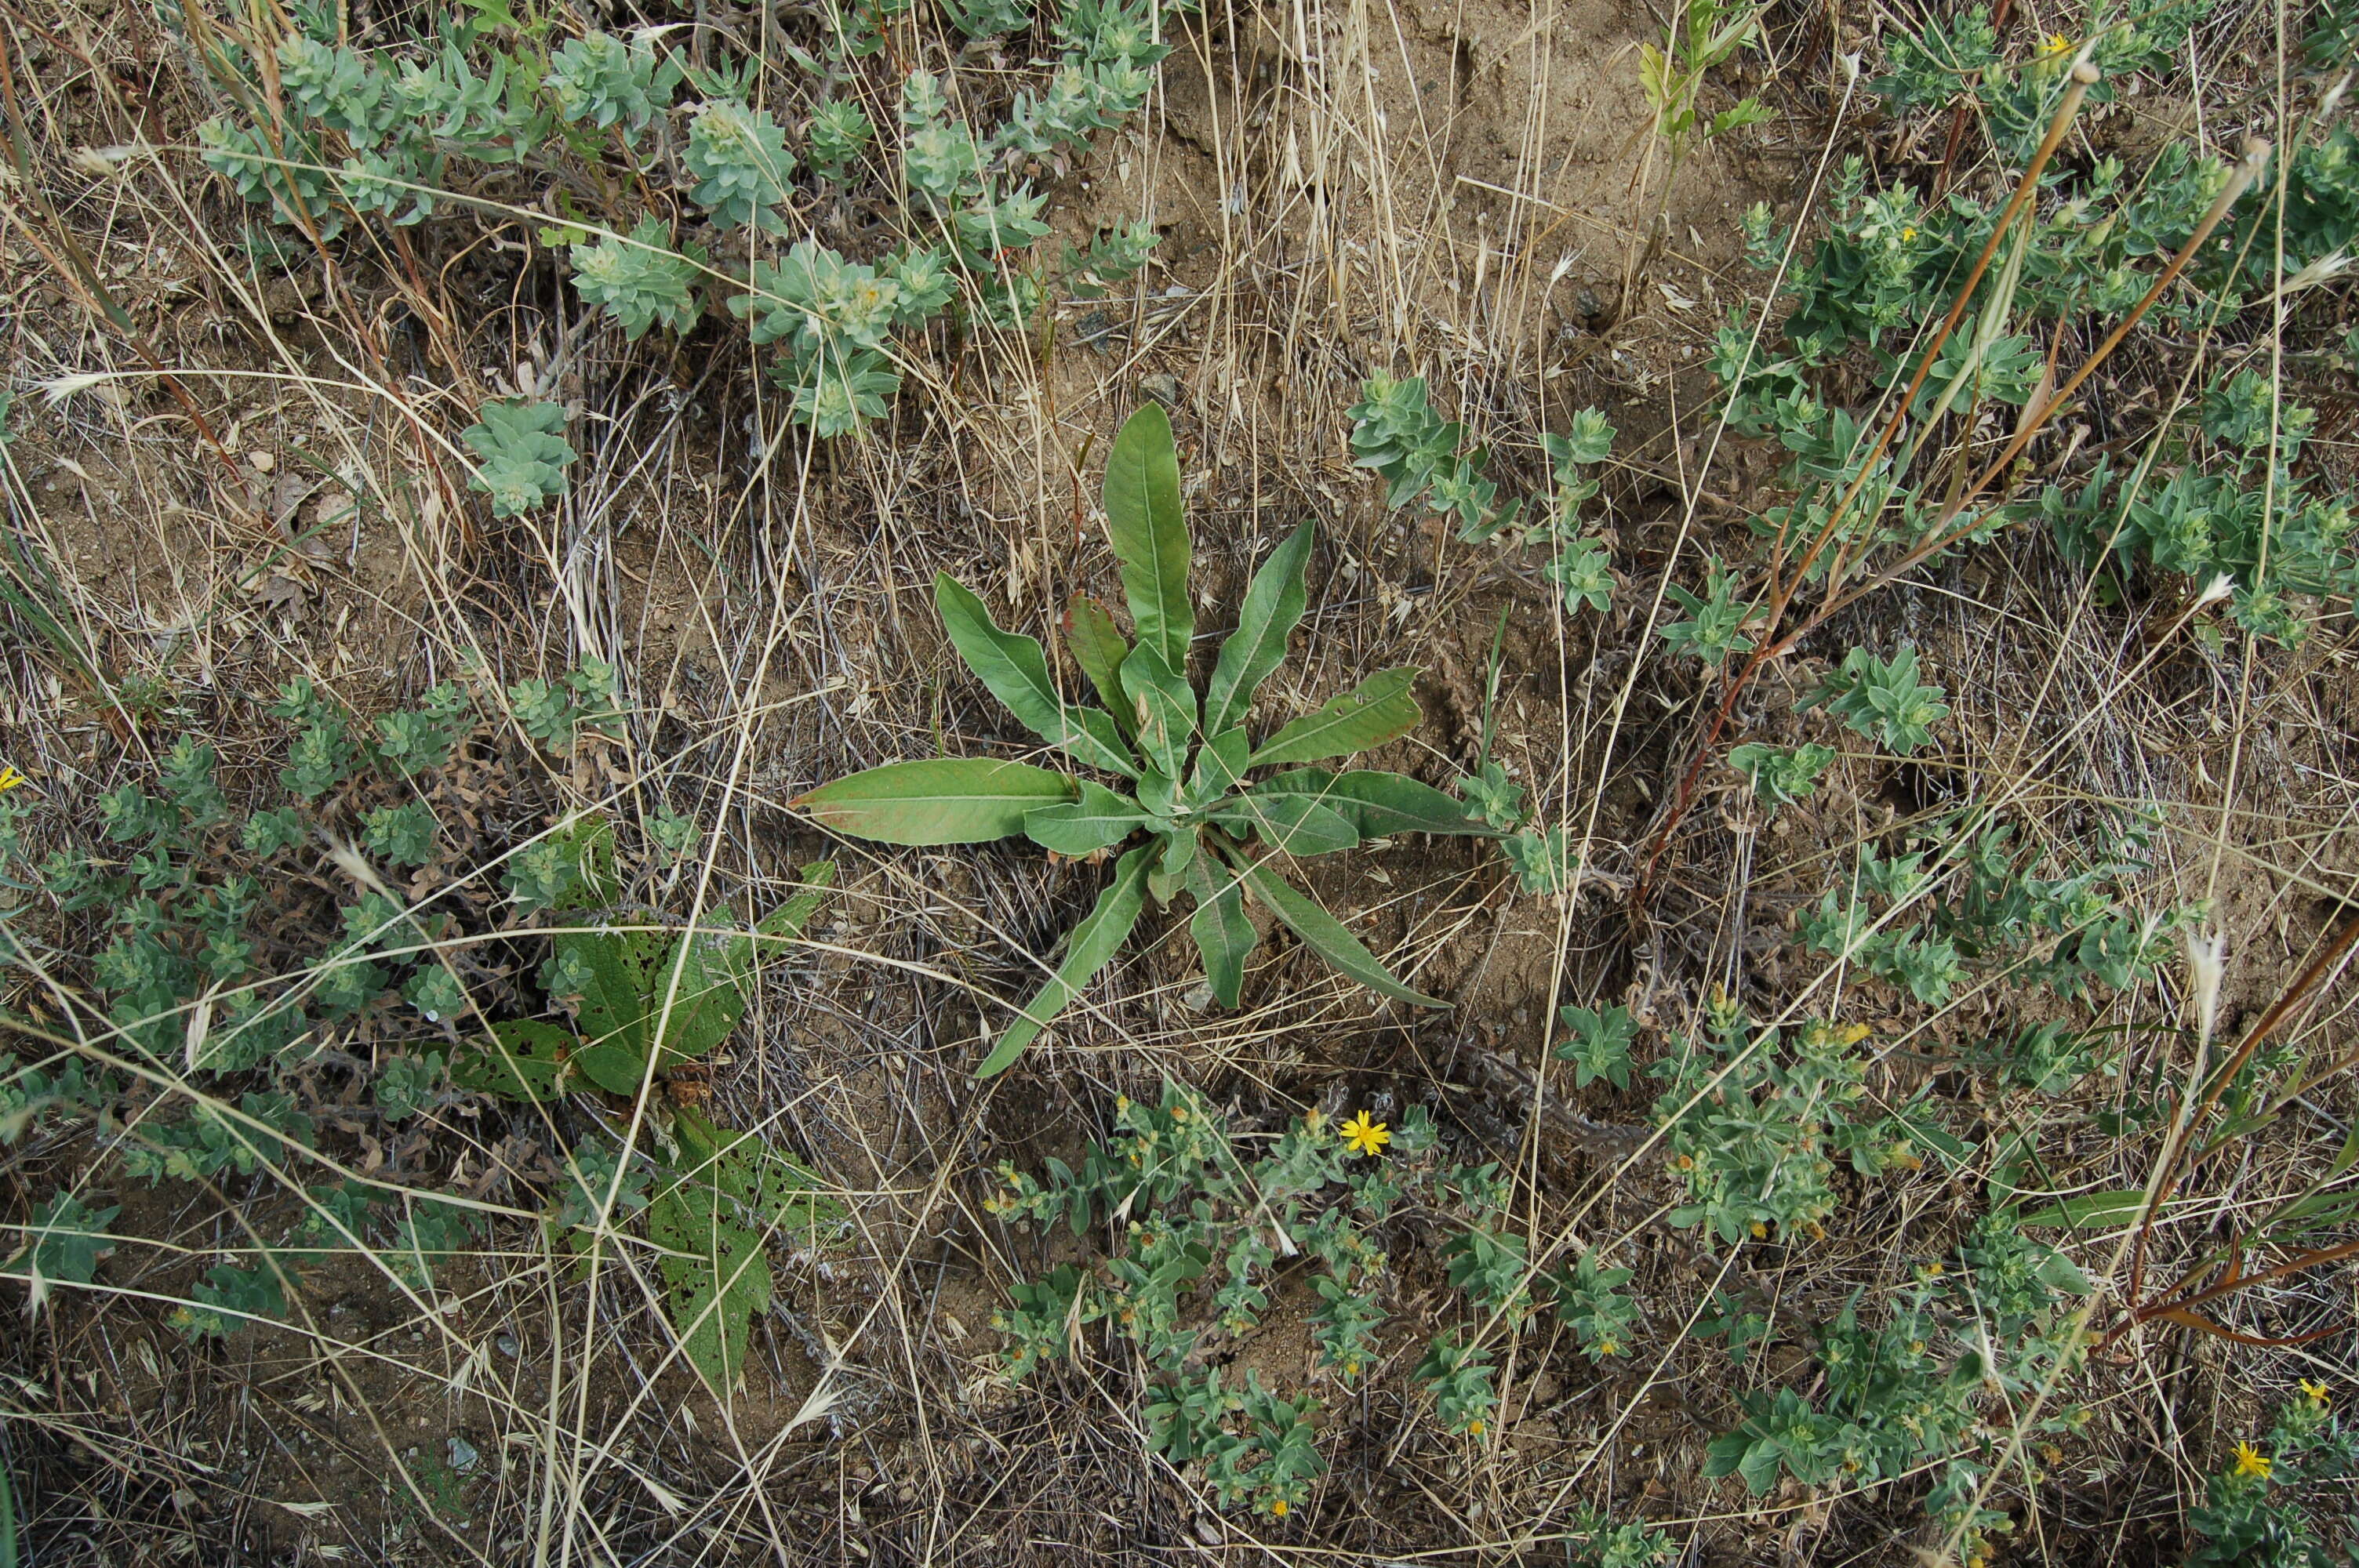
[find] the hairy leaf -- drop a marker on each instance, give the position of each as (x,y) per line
(1379,709)
(1273,608)
(1096,942)
(944,800)
(1150,534)
(1220,766)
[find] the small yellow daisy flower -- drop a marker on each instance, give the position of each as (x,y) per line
(9,779)
(1363,1136)
(2315,1391)
(2057,44)
(1908,232)
(1278,1507)
(2250,1461)
(1475,1429)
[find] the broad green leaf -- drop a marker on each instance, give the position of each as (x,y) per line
(1099,647)
(788,919)
(945,800)
(715,1272)
(1096,942)
(1223,935)
(1379,708)
(523,1060)
(1273,608)
(1158,794)
(1165,708)
(1150,534)
(716,971)
(1220,766)
(1100,819)
(1326,936)
(612,968)
(1299,824)
(2091,1211)
(589,844)
(1017,671)
(1376,803)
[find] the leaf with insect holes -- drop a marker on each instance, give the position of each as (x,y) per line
(1149,532)
(523,1060)
(1273,608)
(1096,942)
(1325,935)
(721,1194)
(944,800)
(1379,708)
(1017,672)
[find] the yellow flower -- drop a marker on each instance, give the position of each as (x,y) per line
(9,779)
(2250,1461)
(1474,1428)
(2057,44)
(1278,1507)
(2315,1391)
(1759,1230)
(1907,232)
(1362,1136)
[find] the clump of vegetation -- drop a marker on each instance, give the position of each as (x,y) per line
(246,1041)
(326,136)
(1198,1235)
(1185,756)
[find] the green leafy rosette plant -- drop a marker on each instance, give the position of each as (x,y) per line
(1184,759)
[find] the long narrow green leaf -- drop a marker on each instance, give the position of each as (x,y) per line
(1099,647)
(1326,936)
(1299,824)
(1223,933)
(1017,671)
(1377,803)
(1273,608)
(943,800)
(1096,942)
(1150,534)
(1379,709)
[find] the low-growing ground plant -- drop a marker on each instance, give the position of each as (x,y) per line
(475,110)
(1199,1236)
(216,1049)
(1185,756)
